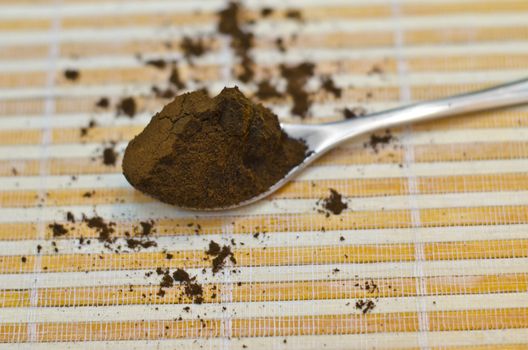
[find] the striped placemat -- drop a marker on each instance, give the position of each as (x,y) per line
(432,251)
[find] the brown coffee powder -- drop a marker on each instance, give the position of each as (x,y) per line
(201,152)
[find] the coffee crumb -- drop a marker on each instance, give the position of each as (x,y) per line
(109,156)
(328,84)
(84,130)
(39,248)
(70,217)
(103,102)
(71,74)
(23,259)
(192,47)
(157,63)
(214,248)
(333,204)
(376,140)
(279,42)
(14,171)
(241,41)
(175,79)
(366,305)
(127,106)
(297,76)
(294,14)
(355,112)
(266,91)
(266,11)
(58,229)
(102,227)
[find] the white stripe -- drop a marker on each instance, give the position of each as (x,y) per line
(391,340)
(157,210)
(275,273)
(314,85)
(263,309)
(435,137)
(282,239)
(330,172)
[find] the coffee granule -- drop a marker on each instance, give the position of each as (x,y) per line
(329,85)
(70,217)
(294,14)
(127,106)
(202,152)
(192,47)
(241,41)
(297,76)
(279,42)
(157,63)
(58,229)
(333,204)
(352,113)
(84,130)
(103,228)
(103,102)
(133,243)
(214,248)
(71,74)
(376,140)
(266,11)
(266,91)
(175,79)
(109,156)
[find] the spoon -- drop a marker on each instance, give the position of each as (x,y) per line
(320,138)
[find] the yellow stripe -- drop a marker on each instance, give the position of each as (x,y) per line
(271,256)
(259,292)
(295,189)
(431,217)
(270,326)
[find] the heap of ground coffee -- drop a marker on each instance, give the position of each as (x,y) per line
(201,152)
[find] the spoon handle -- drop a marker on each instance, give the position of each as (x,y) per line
(513,93)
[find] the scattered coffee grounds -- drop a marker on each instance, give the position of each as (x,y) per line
(202,152)
(147,227)
(109,155)
(333,204)
(181,276)
(241,41)
(352,113)
(72,74)
(190,287)
(58,229)
(220,258)
(103,102)
(279,42)
(157,63)
(294,14)
(84,130)
(163,93)
(266,91)
(297,76)
(103,228)
(214,248)
(266,11)
(127,106)
(192,47)
(70,217)
(328,84)
(375,69)
(175,79)
(365,306)
(376,140)
(133,243)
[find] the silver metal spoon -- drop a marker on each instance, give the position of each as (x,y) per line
(320,138)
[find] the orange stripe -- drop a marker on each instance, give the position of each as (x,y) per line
(276,256)
(270,326)
(273,291)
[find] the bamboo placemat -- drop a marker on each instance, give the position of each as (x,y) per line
(432,251)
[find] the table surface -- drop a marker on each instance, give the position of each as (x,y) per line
(436,230)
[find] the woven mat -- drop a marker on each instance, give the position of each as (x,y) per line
(433,248)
